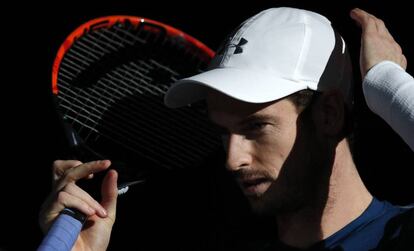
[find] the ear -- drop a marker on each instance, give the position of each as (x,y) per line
(329,113)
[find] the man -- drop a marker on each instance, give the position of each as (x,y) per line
(287,149)
(280,90)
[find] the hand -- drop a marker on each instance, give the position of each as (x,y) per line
(96,232)
(377,44)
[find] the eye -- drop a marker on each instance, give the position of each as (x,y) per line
(256,126)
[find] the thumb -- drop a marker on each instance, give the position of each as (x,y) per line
(110,193)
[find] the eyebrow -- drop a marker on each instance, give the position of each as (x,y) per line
(252,118)
(257,117)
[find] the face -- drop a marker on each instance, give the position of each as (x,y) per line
(268,151)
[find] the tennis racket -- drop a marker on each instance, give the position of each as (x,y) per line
(108,81)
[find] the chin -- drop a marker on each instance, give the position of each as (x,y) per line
(260,208)
(263,204)
(272,204)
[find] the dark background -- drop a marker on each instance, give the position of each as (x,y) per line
(179,212)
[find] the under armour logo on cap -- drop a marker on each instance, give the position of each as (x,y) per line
(228,45)
(224,51)
(238,46)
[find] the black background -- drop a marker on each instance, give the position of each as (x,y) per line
(191,210)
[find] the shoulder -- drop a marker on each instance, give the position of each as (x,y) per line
(405,239)
(378,228)
(398,231)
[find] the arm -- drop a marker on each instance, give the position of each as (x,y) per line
(388,89)
(389,92)
(65,193)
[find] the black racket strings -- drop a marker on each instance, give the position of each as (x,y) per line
(126,93)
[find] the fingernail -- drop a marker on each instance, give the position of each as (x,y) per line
(103,212)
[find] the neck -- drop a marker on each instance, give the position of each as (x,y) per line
(345,200)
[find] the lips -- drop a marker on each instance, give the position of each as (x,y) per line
(248,182)
(255,186)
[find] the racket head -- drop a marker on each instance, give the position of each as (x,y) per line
(206,54)
(109,79)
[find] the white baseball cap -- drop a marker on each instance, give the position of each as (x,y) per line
(271,55)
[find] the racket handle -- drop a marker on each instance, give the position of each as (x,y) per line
(64,232)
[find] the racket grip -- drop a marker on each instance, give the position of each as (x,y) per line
(64,232)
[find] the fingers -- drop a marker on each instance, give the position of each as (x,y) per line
(60,167)
(66,193)
(73,190)
(110,193)
(81,171)
(73,196)
(364,20)
(86,169)
(377,43)
(65,199)
(56,202)
(369,23)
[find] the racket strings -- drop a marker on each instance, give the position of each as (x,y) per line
(135,128)
(135,83)
(119,96)
(143,84)
(100,45)
(126,128)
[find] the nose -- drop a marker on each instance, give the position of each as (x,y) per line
(238,152)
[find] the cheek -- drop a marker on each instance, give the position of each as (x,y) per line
(273,150)
(282,141)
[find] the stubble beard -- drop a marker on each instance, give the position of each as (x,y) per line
(273,203)
(287,195)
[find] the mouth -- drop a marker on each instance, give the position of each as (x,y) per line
(255,187)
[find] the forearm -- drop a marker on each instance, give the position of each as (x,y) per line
(389,92)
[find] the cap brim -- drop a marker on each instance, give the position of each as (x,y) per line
(244,85)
